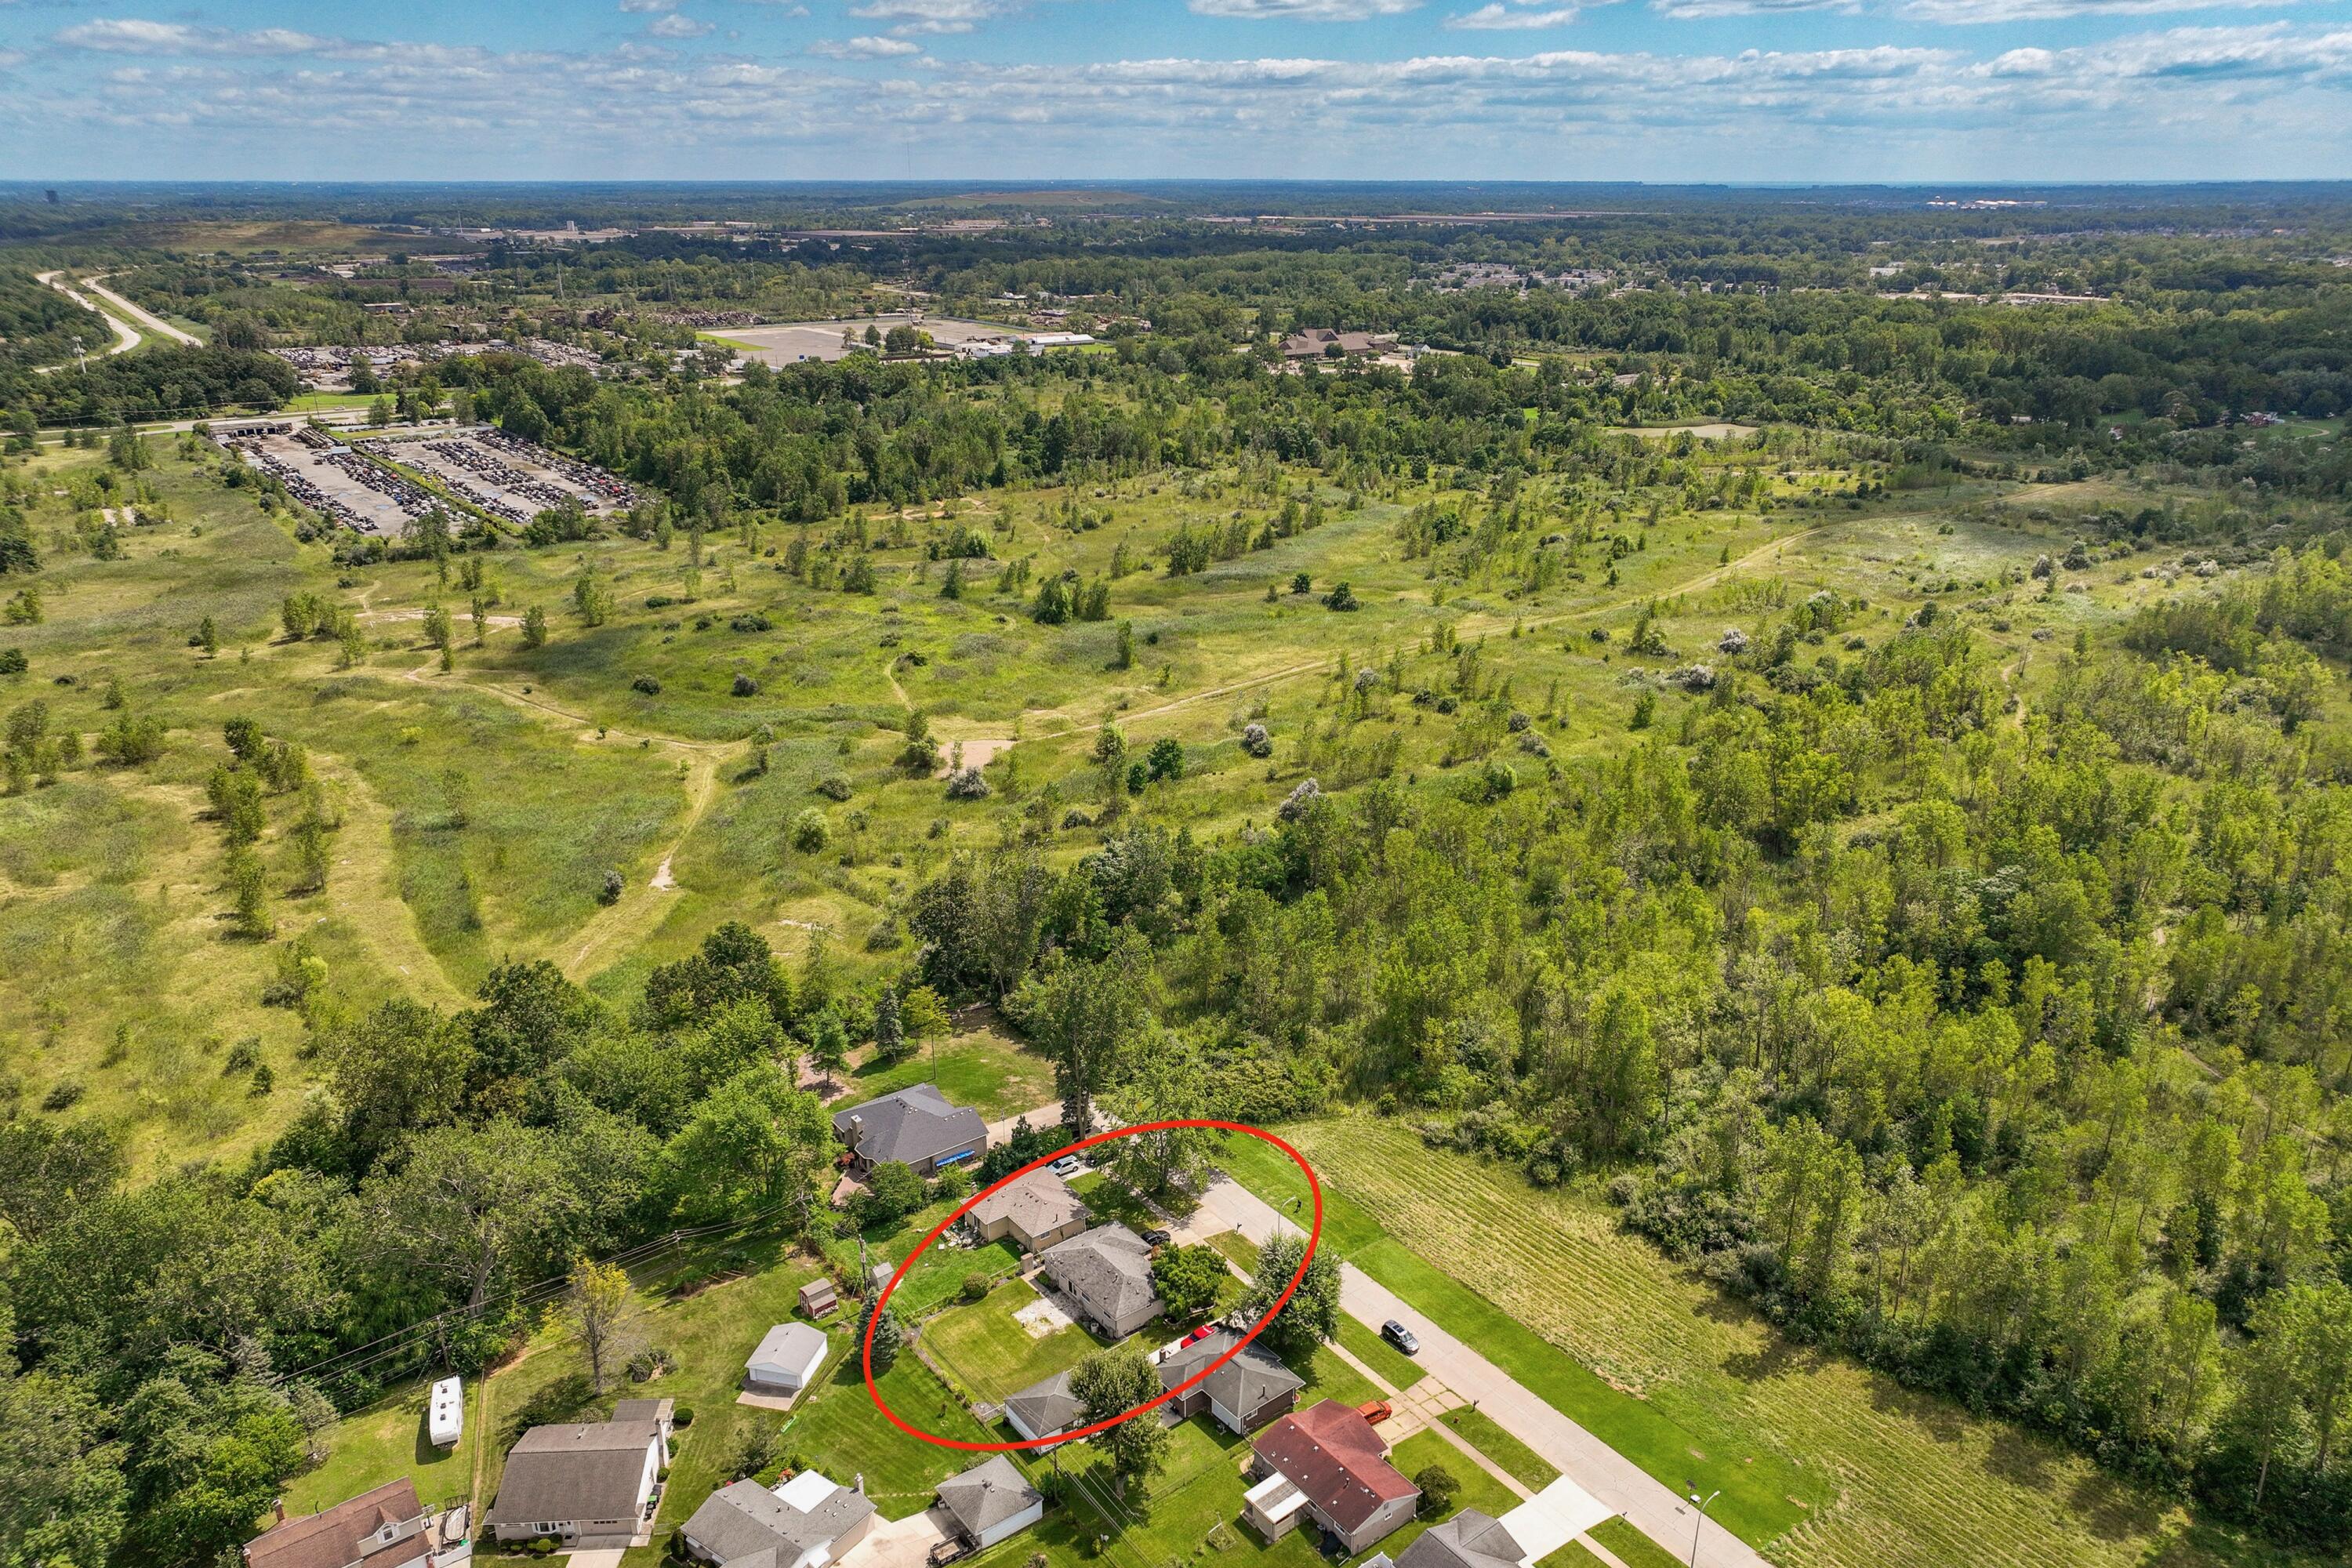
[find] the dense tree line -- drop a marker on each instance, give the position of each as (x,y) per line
(163,1336)
(2004,1053)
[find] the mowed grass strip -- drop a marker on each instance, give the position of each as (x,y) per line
(1477,1428)
(1632,1547)
(1888,1476)
(1398,1369)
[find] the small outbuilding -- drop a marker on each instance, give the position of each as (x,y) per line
(991,1502)
(817,1297)
(786,1359)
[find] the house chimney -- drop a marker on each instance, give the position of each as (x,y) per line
(861,1483)
(279,1504)
(855,1134)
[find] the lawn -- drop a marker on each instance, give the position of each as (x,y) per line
(1399,1370)
(838,1430)
(1478,1490)
(1478,1429)
(382,1442)
(991,1355)
(985,1068)
(1697,1390)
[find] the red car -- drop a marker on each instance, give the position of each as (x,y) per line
(1202,1333)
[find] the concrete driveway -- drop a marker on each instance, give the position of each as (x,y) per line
(901,1542)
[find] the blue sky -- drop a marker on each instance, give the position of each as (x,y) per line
(1651,89)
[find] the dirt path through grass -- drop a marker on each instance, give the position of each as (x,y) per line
(637,912)
(366,887)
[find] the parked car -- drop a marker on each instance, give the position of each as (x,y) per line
(1396,1334)
(1202,1333)
(1069,1165)
(1375,1411)
(1159,1236)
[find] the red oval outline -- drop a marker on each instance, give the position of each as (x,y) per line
(866,1342)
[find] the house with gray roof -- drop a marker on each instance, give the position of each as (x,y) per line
(1469,1540)
(1106,1272)
(1046,1409)
(1244,1394)
(1035,1211)
(804,1523)
(991,1502)
(916,1126)
(581,1485)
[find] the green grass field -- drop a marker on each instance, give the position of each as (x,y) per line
(991,1354)
(570,770)
(985,1068)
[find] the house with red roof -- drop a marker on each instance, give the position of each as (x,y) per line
(1327,1463)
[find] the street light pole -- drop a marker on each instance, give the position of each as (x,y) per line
(1701,1522)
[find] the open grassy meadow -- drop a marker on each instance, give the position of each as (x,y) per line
(478,809)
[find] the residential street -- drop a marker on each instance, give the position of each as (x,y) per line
(1654,1509)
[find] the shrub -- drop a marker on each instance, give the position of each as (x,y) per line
(646,684)
(1300,801)
(1340,597)
(609,892)
(12,661)
(1166,759)
(64,1095)
(1257,742)
(966,783)
(746,687)
(975,1286)
(682,1418)
(809,831)
(835,787)
(752,622)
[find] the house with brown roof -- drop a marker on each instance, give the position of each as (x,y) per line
(584,1486)
(1036,1211)
(1243,1395)
(385,1527)
(1337,1473)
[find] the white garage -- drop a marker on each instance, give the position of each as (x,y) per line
(786,1359)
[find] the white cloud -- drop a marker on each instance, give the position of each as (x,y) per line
(636,6)
(131,35)
(2150,105)
(1694,10)
(1962,12)
(1303,10)
(676,27)
(933,16)
(1503,19)
(865,49)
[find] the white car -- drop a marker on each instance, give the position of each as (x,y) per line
(1069,1165)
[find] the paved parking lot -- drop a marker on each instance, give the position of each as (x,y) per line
(512,479)
(328,476)
(793,341)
